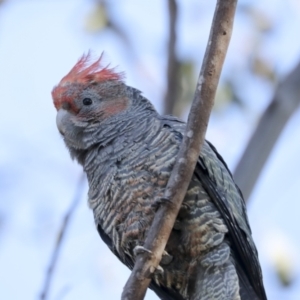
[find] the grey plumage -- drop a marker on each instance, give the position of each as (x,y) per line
(128,158)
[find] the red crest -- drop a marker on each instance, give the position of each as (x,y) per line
(84,72)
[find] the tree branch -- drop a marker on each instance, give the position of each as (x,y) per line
(60,237)
(173,64)
(164,219)
(286,100)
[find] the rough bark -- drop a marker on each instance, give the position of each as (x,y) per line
(286,100)
(164,219)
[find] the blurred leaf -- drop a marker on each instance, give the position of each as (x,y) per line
(262,22)
(226,94)
(283,254)
(187,81)
(97,20)
(284,269)
(264,69)
(260,19)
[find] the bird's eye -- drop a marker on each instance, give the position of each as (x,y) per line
(87,101)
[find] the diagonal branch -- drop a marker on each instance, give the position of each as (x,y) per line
(164,219)
(285,102)
(61,235)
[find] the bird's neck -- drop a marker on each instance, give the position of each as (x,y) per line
(116,141)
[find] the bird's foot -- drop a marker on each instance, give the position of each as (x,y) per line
(140,250)
(159,202)
(166,258)
(159,270)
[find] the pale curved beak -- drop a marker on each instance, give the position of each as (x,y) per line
(61,118)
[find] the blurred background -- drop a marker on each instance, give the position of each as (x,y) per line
(151,41)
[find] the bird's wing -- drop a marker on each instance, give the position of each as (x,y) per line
(217,180)
(213,172)
(245,252)
(161,291)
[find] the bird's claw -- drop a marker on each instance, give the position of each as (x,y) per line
(140,249)
(166,258)
(159,270)
(159,202)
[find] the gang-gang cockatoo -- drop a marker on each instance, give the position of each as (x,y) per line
(128,150)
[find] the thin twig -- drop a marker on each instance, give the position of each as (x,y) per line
(60,237)
(173,64)
(164,219)
(285,102)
